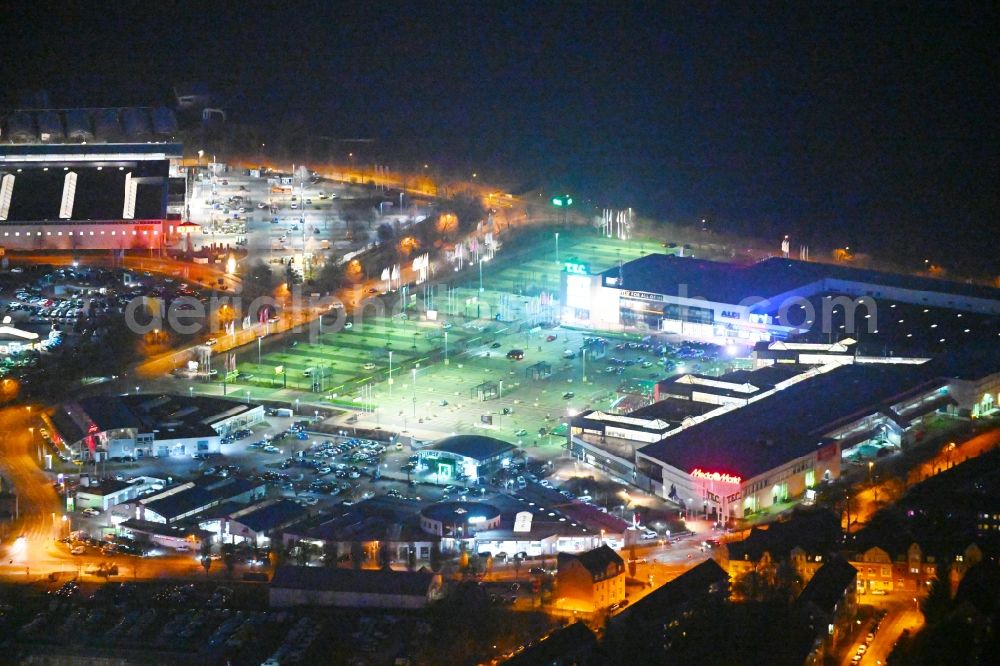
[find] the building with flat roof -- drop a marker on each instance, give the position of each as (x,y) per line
(63,195)
(760,443)
(178,537)
(746,458)
(149,425)
(186,500)
(741,304)
(376,523)
(106,494)
(234,522)
(350,588)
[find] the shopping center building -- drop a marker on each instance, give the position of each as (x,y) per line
(86,179)
(733,445)
(744,304)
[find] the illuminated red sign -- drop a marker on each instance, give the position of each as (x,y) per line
(715,476)
(827,452)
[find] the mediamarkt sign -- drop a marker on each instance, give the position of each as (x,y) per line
(715,476)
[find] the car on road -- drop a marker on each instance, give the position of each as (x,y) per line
(521,433)
(78,550)
(550,338)
(182,548)
(567,395)
(90,512)
(650,534)
(495,345)
(515,354)
(368,366)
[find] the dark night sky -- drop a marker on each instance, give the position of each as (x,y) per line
(868,124)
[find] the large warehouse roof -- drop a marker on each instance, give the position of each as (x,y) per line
(477,447)
(792,422)
(732,283)
(365,581)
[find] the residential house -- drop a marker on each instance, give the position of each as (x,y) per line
(591,580)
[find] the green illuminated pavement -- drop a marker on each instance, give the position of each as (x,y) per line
(428,397)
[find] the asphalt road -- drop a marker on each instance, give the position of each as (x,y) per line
(38,503)
(902,614)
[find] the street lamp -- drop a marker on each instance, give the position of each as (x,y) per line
(137,390)
(390,372)
(414,387)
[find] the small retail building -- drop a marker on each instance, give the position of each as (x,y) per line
(466,457)
(239,523)
(106,495)
(458,520)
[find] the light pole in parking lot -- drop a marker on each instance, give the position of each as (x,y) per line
(390,372)
(414,387)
